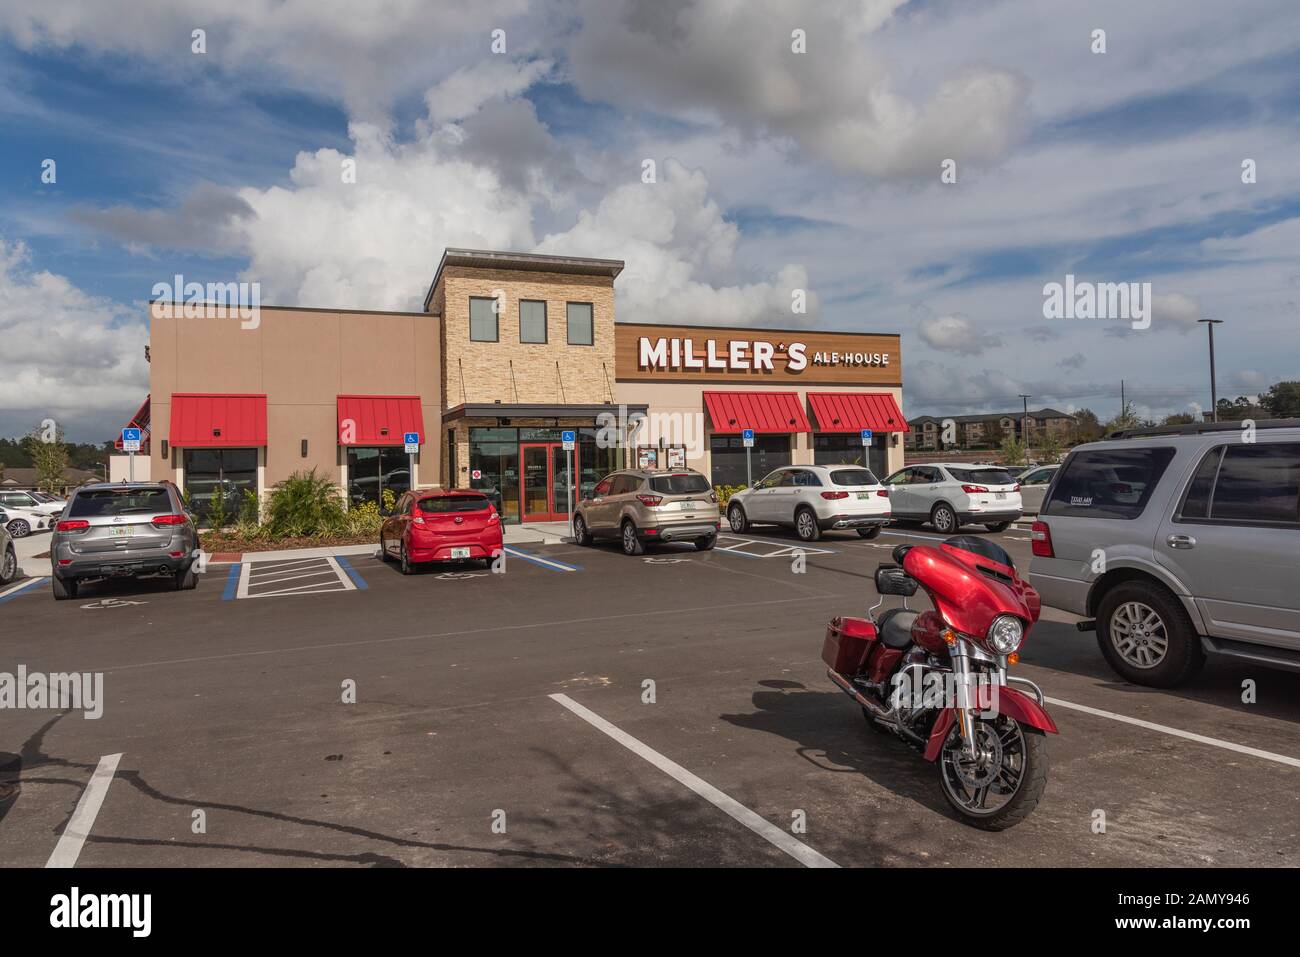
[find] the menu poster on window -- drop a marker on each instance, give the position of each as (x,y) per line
(677,456)
(647,457)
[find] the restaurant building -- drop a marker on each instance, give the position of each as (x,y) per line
(509,351)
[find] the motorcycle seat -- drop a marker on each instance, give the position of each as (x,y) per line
(895,627)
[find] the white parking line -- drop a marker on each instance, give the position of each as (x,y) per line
(23,586)
(1189,735)
(267,580)
(801,852)
(74,835)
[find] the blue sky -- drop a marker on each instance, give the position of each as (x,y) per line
(776,171)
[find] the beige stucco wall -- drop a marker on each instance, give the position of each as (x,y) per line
(523,372)
(302,359)
(685,401)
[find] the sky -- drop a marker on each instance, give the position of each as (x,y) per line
(925,167)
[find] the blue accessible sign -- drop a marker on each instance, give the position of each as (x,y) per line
(747,435)
(866,436)
(412,442)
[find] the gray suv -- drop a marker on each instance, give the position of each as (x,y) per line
(1178,541)
(125,529)
(638,506)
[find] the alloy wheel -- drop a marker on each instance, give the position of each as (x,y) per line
(736,519)
(944,520)
(983,785)
(1138,633)
(629,538)
(806,526)
(19,528)
(9,566)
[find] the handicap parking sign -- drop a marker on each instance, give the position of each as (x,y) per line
(568,437)
(866,436)
(747,435)
(130,440)
(412,442)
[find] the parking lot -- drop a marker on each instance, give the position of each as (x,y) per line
(586,708)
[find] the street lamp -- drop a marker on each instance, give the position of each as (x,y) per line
(1214,392)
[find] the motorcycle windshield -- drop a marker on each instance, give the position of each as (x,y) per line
(970,590)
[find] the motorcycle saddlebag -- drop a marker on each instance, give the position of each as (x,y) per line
(847,642)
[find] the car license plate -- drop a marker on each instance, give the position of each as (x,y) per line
(1001,495)
(460,553)
(121,531)
(864,495)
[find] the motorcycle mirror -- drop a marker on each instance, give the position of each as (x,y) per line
(892,580)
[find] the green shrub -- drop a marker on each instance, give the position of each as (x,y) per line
(724,492)
(248,508)
(304,505)
(364,519)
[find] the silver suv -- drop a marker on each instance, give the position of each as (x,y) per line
(125,529)
(1179,541)
(638,506)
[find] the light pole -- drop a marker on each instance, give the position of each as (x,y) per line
(1214,391)
(1024,424)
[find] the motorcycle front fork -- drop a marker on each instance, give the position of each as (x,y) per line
(967,680)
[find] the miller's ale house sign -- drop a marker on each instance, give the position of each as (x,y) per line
(672,353)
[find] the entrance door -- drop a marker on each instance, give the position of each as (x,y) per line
(542,481)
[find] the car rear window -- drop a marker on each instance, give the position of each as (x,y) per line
(120,501)
(436,504)
(853,477)
(1107,483)
(983,476)
(1246,484)
(683,483)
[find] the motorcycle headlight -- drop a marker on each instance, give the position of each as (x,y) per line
(1005,634)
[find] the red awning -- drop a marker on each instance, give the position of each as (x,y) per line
(733,412)
(379,419)
(855,411)
(217,421)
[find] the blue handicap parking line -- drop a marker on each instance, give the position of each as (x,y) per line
(551,563)
(23,589)
(232,583)
(352,572)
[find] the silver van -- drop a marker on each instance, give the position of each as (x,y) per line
(1178,541)
(123,529)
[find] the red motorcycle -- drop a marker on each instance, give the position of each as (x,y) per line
(938,679)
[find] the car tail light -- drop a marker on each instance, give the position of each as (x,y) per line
(164,520)
(493,518)
(1121,487)
(1016,488)
(73,525)
(835,495)
(973,489)
(713,497)
(883,493)
(1041,540)
(650,500)
(175,554)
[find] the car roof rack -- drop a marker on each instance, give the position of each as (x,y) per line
(1200,428)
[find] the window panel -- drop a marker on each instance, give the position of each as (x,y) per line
(1258,483)
(581,327)
(532,321)
(482,320)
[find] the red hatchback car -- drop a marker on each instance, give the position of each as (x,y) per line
(441,525)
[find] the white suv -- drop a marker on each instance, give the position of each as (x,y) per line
(813,498)
(949,495)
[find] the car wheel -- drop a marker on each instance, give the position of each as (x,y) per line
(63,588)
(580,533)
(805,525)
(8,566)
(1146,637)
(737,520)
(187,580)
(705,543)
(19,528)
(944,519)
(407,567)
(631,543)
(997,526)
(872,532)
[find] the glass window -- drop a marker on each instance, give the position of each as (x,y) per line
(227,473)
(532,320)
(846,448)
(727,453)
(442,504)
(1258,483)
(1196,503)
(494,468)
(482,319)
(128,501)
(581,328)
(372,471)
(901,477)
(687,483)
(594,462)
(1109,483)
(802,478)
(853,477)
(983,476)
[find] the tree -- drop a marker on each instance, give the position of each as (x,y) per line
(1087,427)
(1179,418)
(44,444)
(1127,419)
(1049,449)
(1013,451)
(1282,400)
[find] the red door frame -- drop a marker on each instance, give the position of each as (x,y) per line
(554,514)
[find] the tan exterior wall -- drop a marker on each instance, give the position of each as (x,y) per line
(685,401)
(302,359)
(522,372)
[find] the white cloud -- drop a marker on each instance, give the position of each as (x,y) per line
(462,93)
(956,334)
(64,354)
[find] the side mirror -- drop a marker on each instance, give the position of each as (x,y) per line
(892,580)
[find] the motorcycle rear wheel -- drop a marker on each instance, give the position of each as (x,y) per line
(1003,788)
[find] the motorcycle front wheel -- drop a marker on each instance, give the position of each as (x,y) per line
(1002,785)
